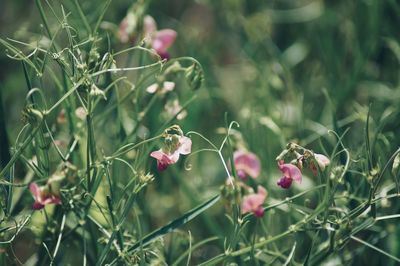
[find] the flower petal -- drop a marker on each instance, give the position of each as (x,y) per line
(168,85)
(35,190)
(247,162)
(149,27)
(185,145)
(163,39)
(152,88)
(290,171)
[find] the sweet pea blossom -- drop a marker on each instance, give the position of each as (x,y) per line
(160,40)
(253,202)
(290,173)
(246,164)
(42,196)
(164,159)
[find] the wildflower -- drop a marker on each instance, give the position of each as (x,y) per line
(166,87)
(173,108)
(42,196)
(253,202)
(160,40)
(246,164)
(290,173)
(170,155)
(322,162)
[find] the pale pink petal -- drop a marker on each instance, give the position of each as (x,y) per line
(163,39)
(185,145)
(35,190)
(174,157)
(163,157)
(157,155)
(122,31)
(152,88)
(322,161)
(149,27)
(168,85)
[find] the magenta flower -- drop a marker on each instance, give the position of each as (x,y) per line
(42,196)
(164,159)
(160,40)
(290,173)
(246,164)
(253,202)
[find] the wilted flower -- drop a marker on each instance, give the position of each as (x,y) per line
(246,164)
(173,107)
(160,40)
(253,202)
(290,173)
(322,161)
(166,87)
(42,196)
(168,155)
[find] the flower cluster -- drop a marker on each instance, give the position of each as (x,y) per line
(303,157)
(175,144)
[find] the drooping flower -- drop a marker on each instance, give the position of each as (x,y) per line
(166,87)
(253,202)
(165,158)
(322,161)
(42,196)
(246,164)
(290,173)
(160,40)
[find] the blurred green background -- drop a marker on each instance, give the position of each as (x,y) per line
(285,70)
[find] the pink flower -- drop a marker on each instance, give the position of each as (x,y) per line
(253,202)
(322,161)
(160,40)
(246,164)
(290,173)
(42,196)
(164,159)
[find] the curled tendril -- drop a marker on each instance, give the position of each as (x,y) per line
(40,92)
